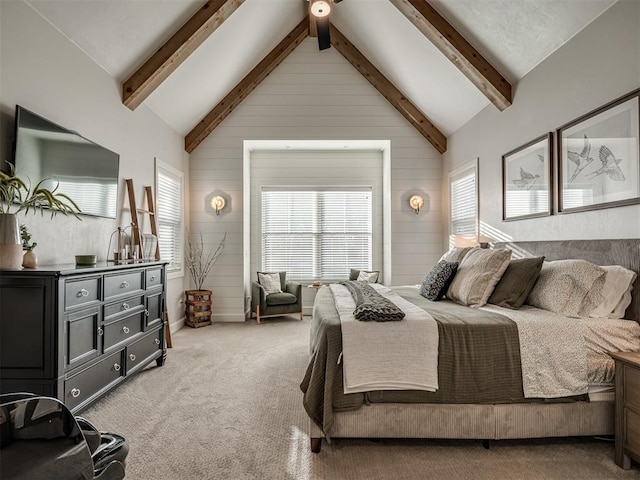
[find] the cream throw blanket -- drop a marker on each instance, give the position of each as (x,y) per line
(399,355)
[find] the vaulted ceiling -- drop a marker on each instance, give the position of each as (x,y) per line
(440,87)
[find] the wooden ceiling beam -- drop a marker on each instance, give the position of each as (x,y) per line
(387,89)
(176,50)
(460,52)
(246,85)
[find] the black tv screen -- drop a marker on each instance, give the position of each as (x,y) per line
(82,169)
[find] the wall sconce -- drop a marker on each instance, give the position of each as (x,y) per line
(218,203)
(416,202)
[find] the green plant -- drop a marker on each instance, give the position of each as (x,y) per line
(14,191)
(200,263)
(26,238)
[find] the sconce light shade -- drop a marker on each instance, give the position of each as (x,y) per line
(320,8)
(416,202)
(218,203)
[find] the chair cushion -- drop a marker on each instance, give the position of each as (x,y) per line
(281,298)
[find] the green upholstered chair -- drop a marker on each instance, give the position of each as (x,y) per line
(287,302)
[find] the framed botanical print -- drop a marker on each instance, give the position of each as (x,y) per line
(526,180)
(598,157)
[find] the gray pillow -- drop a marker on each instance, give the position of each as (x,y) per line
(354,274)
(516,283)
(455,254)
(435,284)
(569,287)
(478,273)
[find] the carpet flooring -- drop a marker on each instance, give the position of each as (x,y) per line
(227,405)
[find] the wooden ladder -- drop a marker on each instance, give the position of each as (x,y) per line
(137,240)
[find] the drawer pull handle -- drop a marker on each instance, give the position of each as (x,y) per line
(125,329)
(116,367)
(83,293)
(124,284)
(125,306)
(132,357)
(156,341)
(146,313)
(75,392)
(153,277)
(100,331)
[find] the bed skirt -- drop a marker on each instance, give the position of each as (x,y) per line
(484,422)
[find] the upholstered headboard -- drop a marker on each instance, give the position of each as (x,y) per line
(625,253)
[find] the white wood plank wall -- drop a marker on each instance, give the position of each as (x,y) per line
(314,95)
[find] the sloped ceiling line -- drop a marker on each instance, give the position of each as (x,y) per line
(460,52)
(388,90)
(246,85)
(176,50)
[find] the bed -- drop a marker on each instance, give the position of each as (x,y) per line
(506,414)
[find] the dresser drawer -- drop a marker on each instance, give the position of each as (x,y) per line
(122,283)
(142,349)
(122,330)
(81,292)
(153,277)
(84,385)
(126,305)
(632,387)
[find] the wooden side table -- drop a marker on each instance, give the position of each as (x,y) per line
(627,408)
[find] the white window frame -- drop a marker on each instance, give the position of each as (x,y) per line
(176,269)
(318,260)
(454,176)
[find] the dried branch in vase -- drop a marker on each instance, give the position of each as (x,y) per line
(200,263)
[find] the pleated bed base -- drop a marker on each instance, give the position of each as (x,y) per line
(486,422)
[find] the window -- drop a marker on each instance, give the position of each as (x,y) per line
(463,188)
(316,234)
(169,215)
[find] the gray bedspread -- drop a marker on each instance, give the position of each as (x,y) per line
(478,362)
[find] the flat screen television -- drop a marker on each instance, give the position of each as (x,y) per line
(82,169)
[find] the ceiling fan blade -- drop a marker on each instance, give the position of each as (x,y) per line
(324,38)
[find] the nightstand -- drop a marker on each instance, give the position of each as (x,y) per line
(627,408)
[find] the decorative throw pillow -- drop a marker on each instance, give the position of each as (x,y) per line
(270,282)
(435,284)
(478,274)
(569,287)
(369,277)
(456,254)
(354,274)
(516,283)
(616,292)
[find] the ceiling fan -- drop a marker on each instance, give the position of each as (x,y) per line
(321,10)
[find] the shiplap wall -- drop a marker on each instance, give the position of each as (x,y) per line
(314,95)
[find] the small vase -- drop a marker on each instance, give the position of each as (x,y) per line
(30,259)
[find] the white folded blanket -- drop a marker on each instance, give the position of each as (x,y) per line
(397,355)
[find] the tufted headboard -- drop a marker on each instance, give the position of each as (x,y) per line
(625,253)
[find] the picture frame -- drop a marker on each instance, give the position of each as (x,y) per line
(599,157)
(527,179)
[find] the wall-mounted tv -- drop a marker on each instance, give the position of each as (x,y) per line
(82,169)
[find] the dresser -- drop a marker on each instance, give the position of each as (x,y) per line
(627,408)
(75,333)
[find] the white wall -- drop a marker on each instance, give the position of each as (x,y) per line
(598,65)
(46,73)
(315,95)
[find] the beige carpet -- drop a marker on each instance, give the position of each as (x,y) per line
(227,406)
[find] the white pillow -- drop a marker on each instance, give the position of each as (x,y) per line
(270,282)
(616,292)
(370,277)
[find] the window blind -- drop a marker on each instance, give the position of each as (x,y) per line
(169,217)
(464,202)
(316,234)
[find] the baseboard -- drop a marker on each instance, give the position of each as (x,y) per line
(177,325)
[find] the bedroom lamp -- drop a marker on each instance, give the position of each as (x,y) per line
(470,240)
(416,202)
(218,203)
